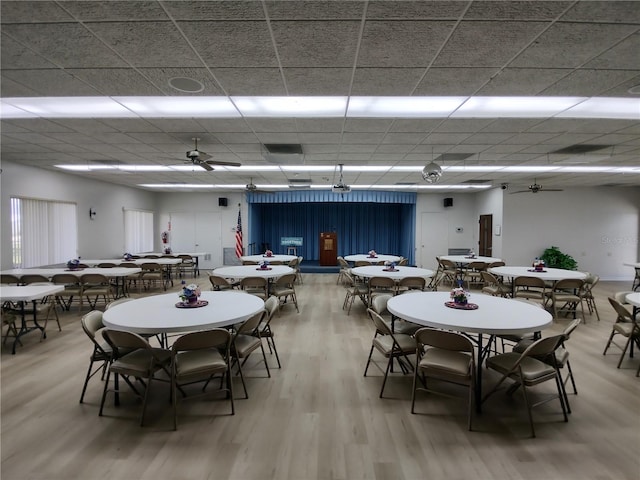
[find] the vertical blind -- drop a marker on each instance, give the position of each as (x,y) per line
(43,232)
(138,231)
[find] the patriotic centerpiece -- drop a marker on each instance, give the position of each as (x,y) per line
(190,293)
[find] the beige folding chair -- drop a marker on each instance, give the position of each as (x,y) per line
(255,286)
(220,283)
(72,290)
(626,326)
(354,289)
(381,286)
(244,342)
(530,288)
(284,288)
(527,371)
(271,306)
(590,282)
(199,357)
(493,286)
(393,346)
(96,286)
(565,297)
(411,284)
(445,356)
(141,363)
(188,265)
(101,353)
(344,268)
(472,274)
(397,325)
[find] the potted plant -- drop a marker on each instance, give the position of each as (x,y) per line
(554,258)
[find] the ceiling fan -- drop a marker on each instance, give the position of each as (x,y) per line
(252,187)
(535,187)
(201,159)
(341,187)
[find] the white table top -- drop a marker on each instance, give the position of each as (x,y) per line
(137,261)
(273,258)
(158,313)
(366,258)
(495,315)
(402,272)
(175,254)
(633,299)
(27,293)
(464,259)
(550,274)
(242,271)
(50,272)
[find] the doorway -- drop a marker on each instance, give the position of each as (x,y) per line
(485,245)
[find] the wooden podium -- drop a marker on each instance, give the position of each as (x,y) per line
(328,249)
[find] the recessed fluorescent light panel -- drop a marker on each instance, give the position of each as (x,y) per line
(515,107)
(291,106)
(403,107)
(605,107)
(178,107)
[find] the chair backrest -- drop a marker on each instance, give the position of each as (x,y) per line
(496,264)
(149,267)
(361,263)
(92,323)
(569,284)
(217,281)
(379,303)
(286,280)
(250,325)
(128,265)
(32,278)
(477,266)
(489,278)
(120,340)
(447,264)
(624,315)
(271,306)
(106,265)
(403,261)
(543,347)
(186,258)
(444,340)
(65,279)
(534,282)
(380,324)
(417,283)
(381,282)
(152,256)
(570,328)
(293,263)
(249,262)
(204,339)
(343,263)
(94,279)
(7,279)
(253,282)
(621,297)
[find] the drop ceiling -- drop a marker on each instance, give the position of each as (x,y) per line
(324,49)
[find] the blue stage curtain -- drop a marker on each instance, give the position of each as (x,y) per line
(382,221)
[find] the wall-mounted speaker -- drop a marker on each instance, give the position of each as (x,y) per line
(448,202)
(222,201)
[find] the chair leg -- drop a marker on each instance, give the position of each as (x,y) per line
(624,350)
(609,342)
(386,374)
(529,413)
(368,361)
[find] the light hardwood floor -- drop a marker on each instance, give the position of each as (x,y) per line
(317,417)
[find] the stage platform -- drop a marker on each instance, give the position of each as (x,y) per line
(313,266)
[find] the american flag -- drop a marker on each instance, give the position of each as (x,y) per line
(239,236)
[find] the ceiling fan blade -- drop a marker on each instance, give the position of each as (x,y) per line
(202,157)
(204,165)
(520,191)
(226,164)
(550,190)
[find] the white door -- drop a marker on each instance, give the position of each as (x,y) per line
(198,232)
(434,238)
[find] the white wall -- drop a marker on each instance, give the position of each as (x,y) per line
(599,227)
(102,237)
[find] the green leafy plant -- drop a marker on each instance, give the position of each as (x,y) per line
(554,258)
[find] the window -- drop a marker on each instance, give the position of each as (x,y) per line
(138,231)
(43,232)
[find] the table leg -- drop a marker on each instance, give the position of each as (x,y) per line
(23,326)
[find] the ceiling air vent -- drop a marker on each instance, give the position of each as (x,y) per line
(581,148)
(283,148)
